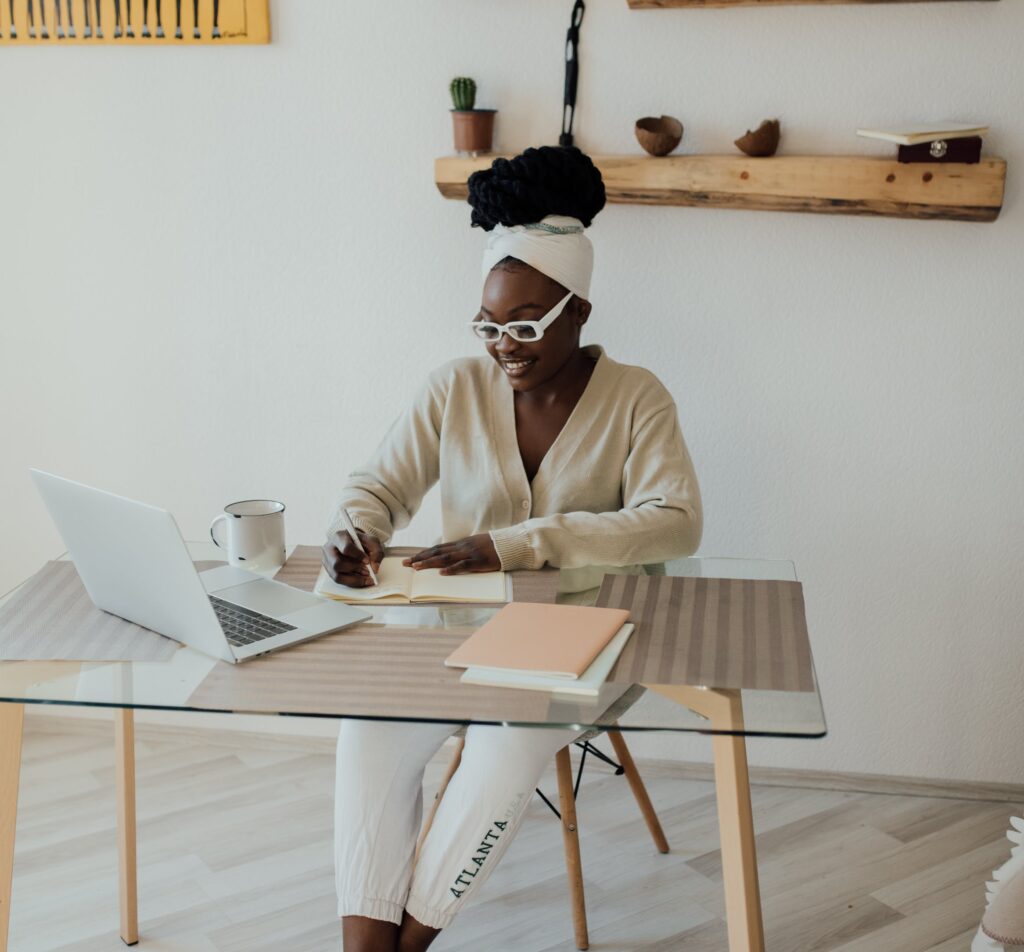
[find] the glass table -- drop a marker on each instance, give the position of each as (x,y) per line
(726,714)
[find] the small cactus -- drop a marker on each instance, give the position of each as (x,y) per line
(463,92)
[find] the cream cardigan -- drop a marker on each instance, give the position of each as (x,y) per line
(617,486)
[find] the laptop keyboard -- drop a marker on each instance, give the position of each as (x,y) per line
(243,626)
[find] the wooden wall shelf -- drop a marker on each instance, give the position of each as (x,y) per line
(665,4)
(829,184)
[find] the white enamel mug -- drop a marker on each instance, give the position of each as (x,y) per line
(253,533)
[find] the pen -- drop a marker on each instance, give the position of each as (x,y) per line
(351,530)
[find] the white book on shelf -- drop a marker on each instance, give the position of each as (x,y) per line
(916,133)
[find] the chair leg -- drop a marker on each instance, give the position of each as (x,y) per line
(12,719)
(639,790)
(570,837)
(124,747)
(452,767)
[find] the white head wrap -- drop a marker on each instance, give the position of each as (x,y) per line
(555,246)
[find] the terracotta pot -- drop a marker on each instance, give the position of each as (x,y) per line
(474,129)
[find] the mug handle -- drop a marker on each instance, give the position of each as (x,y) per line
(213,534)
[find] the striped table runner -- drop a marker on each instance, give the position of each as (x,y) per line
(727,633)
(368,670)
(377,670)
(719,632)
(52,618)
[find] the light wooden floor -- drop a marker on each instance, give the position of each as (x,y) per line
(235,856)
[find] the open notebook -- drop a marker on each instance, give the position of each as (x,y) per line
(400,584)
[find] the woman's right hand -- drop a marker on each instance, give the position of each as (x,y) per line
(346,564)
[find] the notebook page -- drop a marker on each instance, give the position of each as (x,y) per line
(431,585)
(395,583)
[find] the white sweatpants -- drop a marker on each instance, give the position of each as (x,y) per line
(378,811)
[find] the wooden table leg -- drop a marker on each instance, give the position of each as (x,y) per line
(736,830)
(12,718)
(724,709)
(124,744)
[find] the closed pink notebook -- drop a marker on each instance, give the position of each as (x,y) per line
(557,640)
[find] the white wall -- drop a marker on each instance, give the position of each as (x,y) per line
(223,271)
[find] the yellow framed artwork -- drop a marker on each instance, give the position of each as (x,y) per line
(138,22)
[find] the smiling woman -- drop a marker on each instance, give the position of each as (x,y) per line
(547,452)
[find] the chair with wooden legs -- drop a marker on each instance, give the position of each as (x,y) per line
(567,801)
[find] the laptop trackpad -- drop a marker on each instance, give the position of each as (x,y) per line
(268,598)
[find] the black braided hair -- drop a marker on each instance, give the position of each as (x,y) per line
(549,180)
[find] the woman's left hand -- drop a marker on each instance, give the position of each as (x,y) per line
(475,554)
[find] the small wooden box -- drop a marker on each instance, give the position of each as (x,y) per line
(965,149)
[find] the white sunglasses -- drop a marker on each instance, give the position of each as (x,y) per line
(526,332)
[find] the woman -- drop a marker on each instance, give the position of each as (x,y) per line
(547,452)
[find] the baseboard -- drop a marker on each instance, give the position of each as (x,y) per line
(854,782)
(314,734)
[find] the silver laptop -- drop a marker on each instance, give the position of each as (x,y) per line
(134,563)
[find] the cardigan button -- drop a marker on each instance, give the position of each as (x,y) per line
(526,504)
